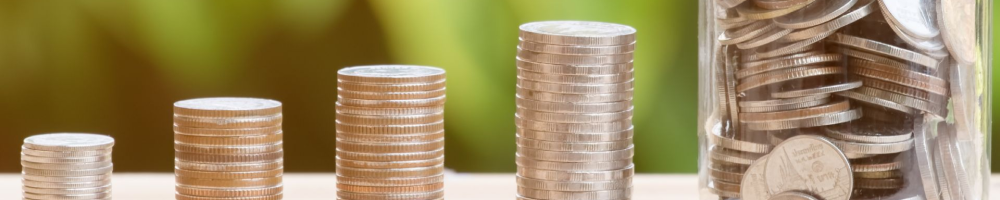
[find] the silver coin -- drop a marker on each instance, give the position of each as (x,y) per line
(916,18)
(69,142)
(815,14)
(793,196)
(577,33)
(957,19)
(812,164)
(390,74)
(923,142)
(754,185)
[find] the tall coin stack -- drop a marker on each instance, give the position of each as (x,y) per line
(390,132)
(67,166)
(574,110)
(228,148)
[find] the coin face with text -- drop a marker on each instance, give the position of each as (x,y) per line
(809,163)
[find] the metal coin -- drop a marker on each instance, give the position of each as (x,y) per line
(915,18)
(812,164)
(958,31)
(227,107)
(814,14)
(391,74)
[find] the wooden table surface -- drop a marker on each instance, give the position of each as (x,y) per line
(300,186)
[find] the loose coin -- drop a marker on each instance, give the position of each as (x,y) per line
(812,164)
(958,31)
(814,14)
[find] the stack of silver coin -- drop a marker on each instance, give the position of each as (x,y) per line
(67,166)
(228,148)
(574,110)
(810,67)
(390,132)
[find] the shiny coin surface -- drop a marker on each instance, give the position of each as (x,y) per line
(68,142)
(227,107)
(916,18)
(391,74)
(577,33)
(809,163)
(958,31)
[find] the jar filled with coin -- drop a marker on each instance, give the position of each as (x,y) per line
(844,99)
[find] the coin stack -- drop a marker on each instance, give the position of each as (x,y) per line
(67,166)
(809,67)
(390,132)
(574,110)
(228,148)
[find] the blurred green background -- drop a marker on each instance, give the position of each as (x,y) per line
(116,67)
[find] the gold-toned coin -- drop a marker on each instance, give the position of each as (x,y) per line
(228,150)
(387,157)
(229,175)
(228,122)
(390,129)
(230,167)
(395,147)
(400,103)
(229,192)
(229,183)
(575,49)
(391,189)
(390,119)
(362,110)
(278,196)
(248,131)
(402,87)
(376,196)
(228,141)
(418,137)
(234,158)
(387,182)
(382,95)
(390,173)
(390,164)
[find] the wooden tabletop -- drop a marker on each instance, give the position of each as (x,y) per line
(299,186)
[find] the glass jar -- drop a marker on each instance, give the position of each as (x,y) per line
(844,99)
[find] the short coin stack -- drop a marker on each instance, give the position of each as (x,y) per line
(574,110)
(228,149)
(390,132)
(67,166)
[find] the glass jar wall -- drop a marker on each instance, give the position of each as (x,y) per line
(844,99)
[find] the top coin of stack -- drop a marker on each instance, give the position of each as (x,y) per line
(67,166)
(228,148)
(390,132)
(574,110)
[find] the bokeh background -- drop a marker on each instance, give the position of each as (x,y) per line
(116,67)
